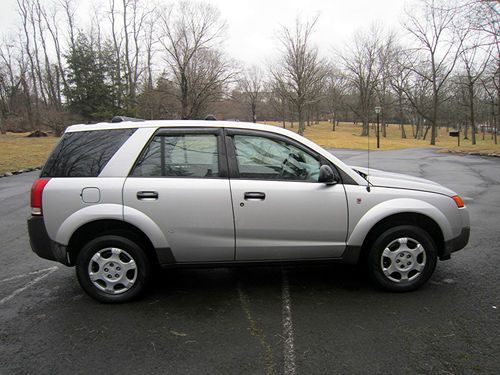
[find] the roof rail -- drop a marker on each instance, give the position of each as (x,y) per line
(125,118)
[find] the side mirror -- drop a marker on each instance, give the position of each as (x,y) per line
(326,175)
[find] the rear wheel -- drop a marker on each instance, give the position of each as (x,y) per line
(402,258)
(113,269)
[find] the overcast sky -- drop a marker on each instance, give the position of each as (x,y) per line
(252,24)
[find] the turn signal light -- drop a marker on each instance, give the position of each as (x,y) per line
(36,195)
(460,203)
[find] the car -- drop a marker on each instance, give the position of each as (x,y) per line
(119,200)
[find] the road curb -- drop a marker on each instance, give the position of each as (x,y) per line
(24,170)
(473,153)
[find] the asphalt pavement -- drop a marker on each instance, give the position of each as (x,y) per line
(264,320)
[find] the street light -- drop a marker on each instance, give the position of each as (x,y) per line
(377,111)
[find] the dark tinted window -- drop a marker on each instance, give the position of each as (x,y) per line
(268,159)
(188,155)
(84,154)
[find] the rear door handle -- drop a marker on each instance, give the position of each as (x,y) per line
(147,195)
(256,196)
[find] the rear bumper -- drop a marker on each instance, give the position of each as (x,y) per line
(42,245)
(455,244)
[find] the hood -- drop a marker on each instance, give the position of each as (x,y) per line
(403,181)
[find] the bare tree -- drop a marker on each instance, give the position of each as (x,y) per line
(49,76)
(190,33)
(250,83)
(300,70)
(385,100)
(418,92)
(473,68)
(433,30)
(361,62)
(336,87)
(278,100)
(491,85)
(52,23)
(9,81)
(399,75)
(150,41)
(209,74)
(485,18)
(117,46)
(135,18)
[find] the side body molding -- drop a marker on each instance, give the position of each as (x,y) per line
(396,206)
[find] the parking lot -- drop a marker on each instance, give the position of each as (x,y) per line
(266,320)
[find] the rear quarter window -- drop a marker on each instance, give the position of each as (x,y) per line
(84,154)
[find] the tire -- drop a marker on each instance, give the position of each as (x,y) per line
(113,269)
(402,258)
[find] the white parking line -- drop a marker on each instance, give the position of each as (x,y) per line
(288,347)
(28,285)
(27,274)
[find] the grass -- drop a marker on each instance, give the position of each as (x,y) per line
(19,152)
(347,135)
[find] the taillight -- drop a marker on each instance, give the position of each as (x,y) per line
(36,195)
(459,202)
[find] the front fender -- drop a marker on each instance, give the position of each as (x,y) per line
(392,207)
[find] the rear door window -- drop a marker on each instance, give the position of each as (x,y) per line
(183,155)
(84,154)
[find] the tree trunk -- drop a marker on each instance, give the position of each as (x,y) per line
(472,114)
(301,120)
(432,133)
(184,97)
(364,131)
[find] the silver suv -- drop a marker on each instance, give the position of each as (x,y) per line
(118,199)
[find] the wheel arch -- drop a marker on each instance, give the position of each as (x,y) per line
(404,218)
(95,228)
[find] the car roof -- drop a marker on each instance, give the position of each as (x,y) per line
(168,123)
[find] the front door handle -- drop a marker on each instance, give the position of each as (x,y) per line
(254,196)
(147,195)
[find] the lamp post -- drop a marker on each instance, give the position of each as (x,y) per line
(377,111)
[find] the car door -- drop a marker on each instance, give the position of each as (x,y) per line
(281,211)
(180,182)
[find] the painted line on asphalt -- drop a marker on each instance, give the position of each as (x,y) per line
(257,332)
(288,345)
(28,285)
(27,274)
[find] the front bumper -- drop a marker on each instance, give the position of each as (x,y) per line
(455,244)
(42,245)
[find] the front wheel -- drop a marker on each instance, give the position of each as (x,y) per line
(402,258)
(113,269)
